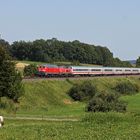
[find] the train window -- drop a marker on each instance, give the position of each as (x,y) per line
(96,70)
(127,70)
(80,69)
(108,70)
(118,70)
(135,70)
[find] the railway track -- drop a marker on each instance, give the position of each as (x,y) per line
(78,77)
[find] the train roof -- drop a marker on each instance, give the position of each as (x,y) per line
(53,66)
(85,67)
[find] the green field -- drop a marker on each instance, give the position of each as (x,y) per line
(101,126)
(49,99)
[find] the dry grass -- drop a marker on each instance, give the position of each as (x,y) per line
(21,65)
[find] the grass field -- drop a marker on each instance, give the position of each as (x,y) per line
(50,99)
(133,103)
(100,126)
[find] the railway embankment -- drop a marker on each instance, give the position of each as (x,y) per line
(50,97)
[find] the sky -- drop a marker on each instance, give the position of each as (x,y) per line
(111,23)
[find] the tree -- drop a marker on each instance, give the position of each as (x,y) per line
(4,44)
(10,79)
(118,63)
(138,62)
(21,50)
(30,70)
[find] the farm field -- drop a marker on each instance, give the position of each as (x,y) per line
(50,99)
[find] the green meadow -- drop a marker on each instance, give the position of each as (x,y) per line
(49,99)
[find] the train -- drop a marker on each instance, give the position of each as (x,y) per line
(49,70)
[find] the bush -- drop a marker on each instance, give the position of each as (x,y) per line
(127,88)
(106,102)
(82,92)
(30,70)
(96,104)
(75,63)
(103,102)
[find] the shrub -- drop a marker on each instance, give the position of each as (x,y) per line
(75,63)
(82,92)
(96,104)
(120,106)
(106,102)
(30,70)
(103,102)
(127,88)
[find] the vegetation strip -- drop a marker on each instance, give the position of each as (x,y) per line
(77,78)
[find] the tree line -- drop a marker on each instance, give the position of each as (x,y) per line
(53,50)
(138,62)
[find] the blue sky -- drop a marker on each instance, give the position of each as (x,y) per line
(111,23)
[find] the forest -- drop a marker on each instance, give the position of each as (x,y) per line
(53,50)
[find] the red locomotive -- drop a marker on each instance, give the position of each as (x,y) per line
(53,70)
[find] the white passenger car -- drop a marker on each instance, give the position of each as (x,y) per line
(82,70)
